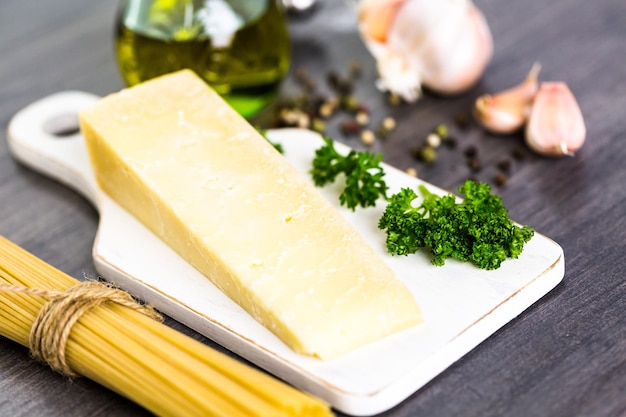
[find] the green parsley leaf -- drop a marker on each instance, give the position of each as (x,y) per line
(364,182)
(476,230)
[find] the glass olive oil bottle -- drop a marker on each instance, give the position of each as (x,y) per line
(240,47)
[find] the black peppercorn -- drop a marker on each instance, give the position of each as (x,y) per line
(462,120)
(350,127)
(450,143)
(474,164)
(500,179)
(471,151)
(505,165)
(519,154)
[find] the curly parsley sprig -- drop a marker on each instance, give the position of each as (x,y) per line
(362,170)
(477,230)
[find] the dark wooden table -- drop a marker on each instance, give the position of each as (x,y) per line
(565,356)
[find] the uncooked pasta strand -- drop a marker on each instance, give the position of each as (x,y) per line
(157,367)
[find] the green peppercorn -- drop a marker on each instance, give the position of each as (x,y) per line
(442,131)
(428,154)
(349,103)
(381,132)
(318,125)
(394,99)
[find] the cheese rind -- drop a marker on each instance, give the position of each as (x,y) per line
(178,158)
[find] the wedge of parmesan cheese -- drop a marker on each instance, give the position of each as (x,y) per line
(189,167)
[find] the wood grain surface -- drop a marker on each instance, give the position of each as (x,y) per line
(565,356)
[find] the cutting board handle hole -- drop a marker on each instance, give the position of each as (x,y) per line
(62,125)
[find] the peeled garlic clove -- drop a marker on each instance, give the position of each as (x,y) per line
(556,126)
(508,110)
(444,45)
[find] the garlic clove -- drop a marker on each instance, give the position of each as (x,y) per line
(464,53)
(444,45)
(377,16)
(507,111)
(556,126)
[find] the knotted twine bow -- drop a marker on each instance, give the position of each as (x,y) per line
(53,325)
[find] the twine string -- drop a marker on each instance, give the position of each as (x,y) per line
(51,330)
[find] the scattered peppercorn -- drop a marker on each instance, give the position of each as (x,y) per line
(519,154)
(474,164)
(355,69)
(394,99)
(450,143)
(318,125)
(462,120)
(428,154)
(301,74)
(293,117)
(303,78)
(364,108)
(362,118)
(333,79)
(442,131)
(350,127)
(315,103)
(310,85)
(433,140)
(349,103)
(327,109)
(368,137)
(341,85)
(505,166)
(313,110)
(470,151)
(389,123)
(500,179)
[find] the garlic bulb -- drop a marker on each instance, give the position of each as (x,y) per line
(555,126)
(444,45)
(508,110)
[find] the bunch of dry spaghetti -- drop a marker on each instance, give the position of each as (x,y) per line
(117,345)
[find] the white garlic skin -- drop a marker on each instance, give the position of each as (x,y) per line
(444,45)
(556,126)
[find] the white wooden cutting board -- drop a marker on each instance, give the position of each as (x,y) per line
(462,305)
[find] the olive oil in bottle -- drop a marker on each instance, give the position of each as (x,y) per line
(239,47)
